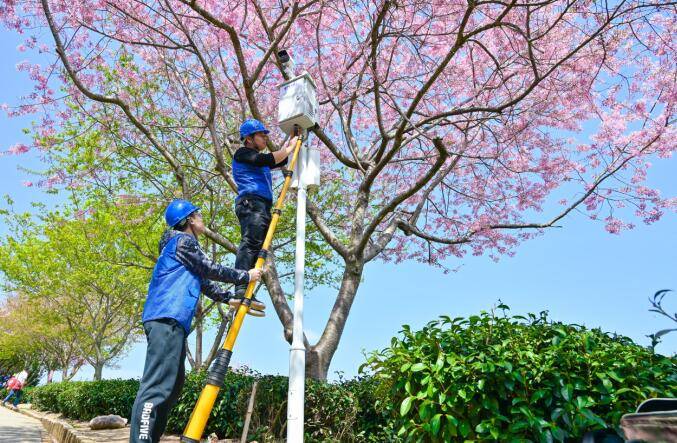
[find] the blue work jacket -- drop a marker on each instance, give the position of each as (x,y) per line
(182,271)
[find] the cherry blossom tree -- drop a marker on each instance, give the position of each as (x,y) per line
(446,127)
(30,330)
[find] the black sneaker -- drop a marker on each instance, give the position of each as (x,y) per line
(256,308)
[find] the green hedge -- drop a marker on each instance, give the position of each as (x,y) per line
(482,378)
(84,400)
(333,412)
(514,379)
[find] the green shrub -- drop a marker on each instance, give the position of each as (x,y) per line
(227,416)
(27,395)
(513,379)
(269,416)
(45,397)
(481,378)
(332,410)
(373,422)
(89,399)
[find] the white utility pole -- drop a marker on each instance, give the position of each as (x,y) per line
(297,353)
(298,107)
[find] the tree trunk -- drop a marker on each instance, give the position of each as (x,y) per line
(226,319)
(98,370)
(278,297)
(317,367)
(319,356)
(66,376)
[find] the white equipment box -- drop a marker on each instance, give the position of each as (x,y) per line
(298,103)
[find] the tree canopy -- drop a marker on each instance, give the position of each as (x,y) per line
(446,127)
(77,275)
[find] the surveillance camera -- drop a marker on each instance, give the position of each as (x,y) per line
(286,62)
(283,55)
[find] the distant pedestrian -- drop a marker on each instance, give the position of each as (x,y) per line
(15,385)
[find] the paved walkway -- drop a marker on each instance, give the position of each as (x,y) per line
(16,427)
(26,427)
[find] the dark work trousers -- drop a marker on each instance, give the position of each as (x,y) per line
(254,216)
(163,377)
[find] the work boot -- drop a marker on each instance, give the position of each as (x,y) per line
(256,307)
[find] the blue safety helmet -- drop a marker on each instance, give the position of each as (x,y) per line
(251,126)
(178,210)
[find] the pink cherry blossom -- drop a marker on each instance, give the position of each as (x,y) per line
(18,148)
(526,107)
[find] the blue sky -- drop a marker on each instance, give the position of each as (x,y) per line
(579,273)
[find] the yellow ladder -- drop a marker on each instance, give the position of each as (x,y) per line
(217,372)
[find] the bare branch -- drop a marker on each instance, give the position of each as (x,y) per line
(220,240)
(402,196)
(325,230)
(176,167)
(247,82)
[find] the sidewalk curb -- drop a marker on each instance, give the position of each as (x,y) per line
(58,430)
(61,431)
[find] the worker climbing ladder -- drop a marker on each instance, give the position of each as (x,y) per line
(297,113)
(217,372)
